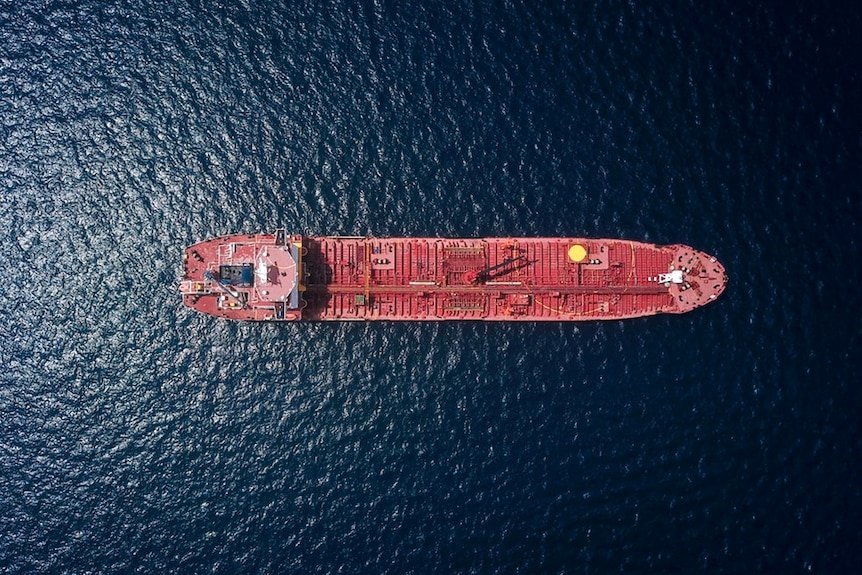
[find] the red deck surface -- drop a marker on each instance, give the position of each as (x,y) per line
(502,279)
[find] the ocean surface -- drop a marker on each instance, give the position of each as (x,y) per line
(139,437)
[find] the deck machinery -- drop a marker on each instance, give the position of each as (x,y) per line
(281,277)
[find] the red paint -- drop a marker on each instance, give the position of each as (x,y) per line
(410,279)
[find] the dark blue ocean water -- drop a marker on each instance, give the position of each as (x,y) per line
(139,437)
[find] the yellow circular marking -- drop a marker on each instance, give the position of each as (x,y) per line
(577,253)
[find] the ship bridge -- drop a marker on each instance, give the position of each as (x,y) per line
(254,277)
(276,274)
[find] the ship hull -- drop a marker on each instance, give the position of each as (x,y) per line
(276,277)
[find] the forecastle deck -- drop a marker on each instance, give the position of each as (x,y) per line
(278,277)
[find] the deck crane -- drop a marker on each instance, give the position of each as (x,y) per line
(491,272)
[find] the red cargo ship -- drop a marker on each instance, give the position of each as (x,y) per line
(281,277)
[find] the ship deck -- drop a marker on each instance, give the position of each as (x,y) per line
(487,279)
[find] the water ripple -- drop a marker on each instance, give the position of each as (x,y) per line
(138,436)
